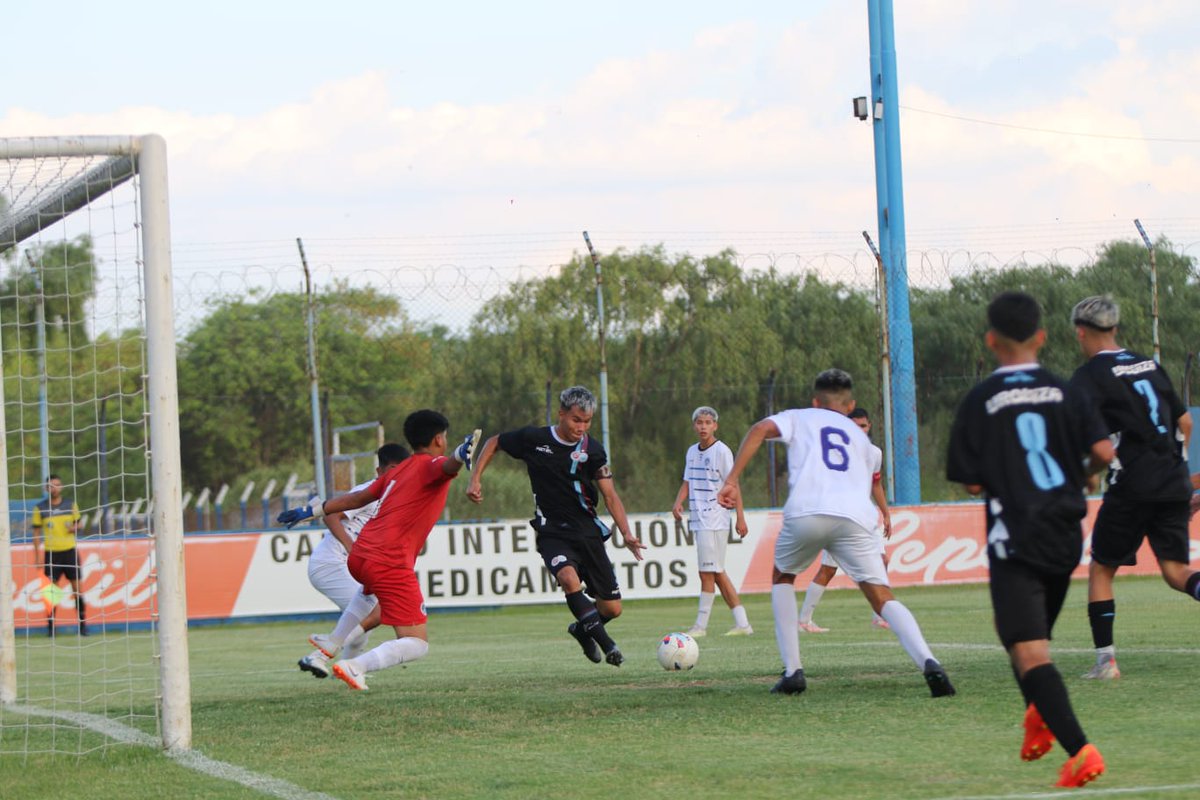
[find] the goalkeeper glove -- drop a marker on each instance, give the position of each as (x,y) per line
(465,452)
(294,516)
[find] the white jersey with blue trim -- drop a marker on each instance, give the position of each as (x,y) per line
(831,465)
(704,472)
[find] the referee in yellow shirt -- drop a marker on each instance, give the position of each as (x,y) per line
(56,520)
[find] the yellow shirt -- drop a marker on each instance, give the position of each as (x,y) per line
(57,523)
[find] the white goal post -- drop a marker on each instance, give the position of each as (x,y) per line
(45,200)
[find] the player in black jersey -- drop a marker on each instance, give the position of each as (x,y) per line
(1149,488)
(568,472)
(1021,437)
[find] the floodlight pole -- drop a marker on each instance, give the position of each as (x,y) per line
(603,358)
(889,188)
(1153,293)
(314,387)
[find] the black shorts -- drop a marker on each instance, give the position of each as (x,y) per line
(1025,601)
(1123,523)
(589,557)
(62,562)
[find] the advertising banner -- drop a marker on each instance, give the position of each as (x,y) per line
(472,564)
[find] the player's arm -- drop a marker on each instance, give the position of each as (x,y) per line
(877,495)
(677,509)
(1100,456)
(76,517)
(1184,426)
(482,459)
(759,432)
(334,523)
(1196,481)
(349,501)
(463,455)
(612,502)
(739,523)
(36,525)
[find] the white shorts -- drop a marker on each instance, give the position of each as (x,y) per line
(829,561)
(328,574)
(855,549)
(710,546)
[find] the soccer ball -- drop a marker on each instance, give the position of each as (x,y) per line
(678,651)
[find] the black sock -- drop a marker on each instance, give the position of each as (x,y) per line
(590,620)
(80,609)
(1193,586)
(1044,686)
(1101,614)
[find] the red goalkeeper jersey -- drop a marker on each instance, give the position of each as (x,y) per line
(411,497)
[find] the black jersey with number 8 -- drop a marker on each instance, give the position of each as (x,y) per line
(1023,434)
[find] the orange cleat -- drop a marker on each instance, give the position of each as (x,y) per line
(1081,768)
(1038,738)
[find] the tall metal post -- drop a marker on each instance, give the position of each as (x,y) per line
(1153,293)
(166,474)
(314,387)
(603,357)
(886,112)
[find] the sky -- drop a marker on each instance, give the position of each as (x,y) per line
(472,133)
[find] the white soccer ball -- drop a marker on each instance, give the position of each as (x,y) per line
(678,651)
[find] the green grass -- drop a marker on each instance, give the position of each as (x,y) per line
(505,706)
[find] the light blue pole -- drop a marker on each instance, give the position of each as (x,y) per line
(893,245)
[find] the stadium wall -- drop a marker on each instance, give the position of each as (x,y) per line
(470,564)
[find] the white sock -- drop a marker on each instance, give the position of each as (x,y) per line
(355,613)
(706,604)
(905,626)
(356,643)
(1106,653)
(391,653)
(739,617)
(812,596)
(787,636)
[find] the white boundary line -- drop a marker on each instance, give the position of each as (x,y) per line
(192,759)
(1088,792)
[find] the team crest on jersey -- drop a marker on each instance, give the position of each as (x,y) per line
(554,562)
(579,455)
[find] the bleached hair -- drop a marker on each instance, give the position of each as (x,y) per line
(705,411)
(577,397)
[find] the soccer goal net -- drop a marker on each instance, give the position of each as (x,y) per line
(93,637)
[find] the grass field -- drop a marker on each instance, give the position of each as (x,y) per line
(505,706)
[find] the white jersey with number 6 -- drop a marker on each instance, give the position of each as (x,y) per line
(831,464)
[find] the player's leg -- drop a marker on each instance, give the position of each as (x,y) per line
(856,550)
(1168,535)
(799,543)
(708,583)
(357,610)
(72,571)
(601,577)
(1116,537)
(402,606)
(814,592)
(741,622)
(876,620)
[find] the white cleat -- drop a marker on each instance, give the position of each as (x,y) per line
(696,632)
(315,663)
(812,627)
(354,677)
(1105,670)
(740,630)
(325,644)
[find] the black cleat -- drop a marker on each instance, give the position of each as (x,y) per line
(83,630)
(614,657)
(319,667)
(590,648)
(791,684)
(939,682)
